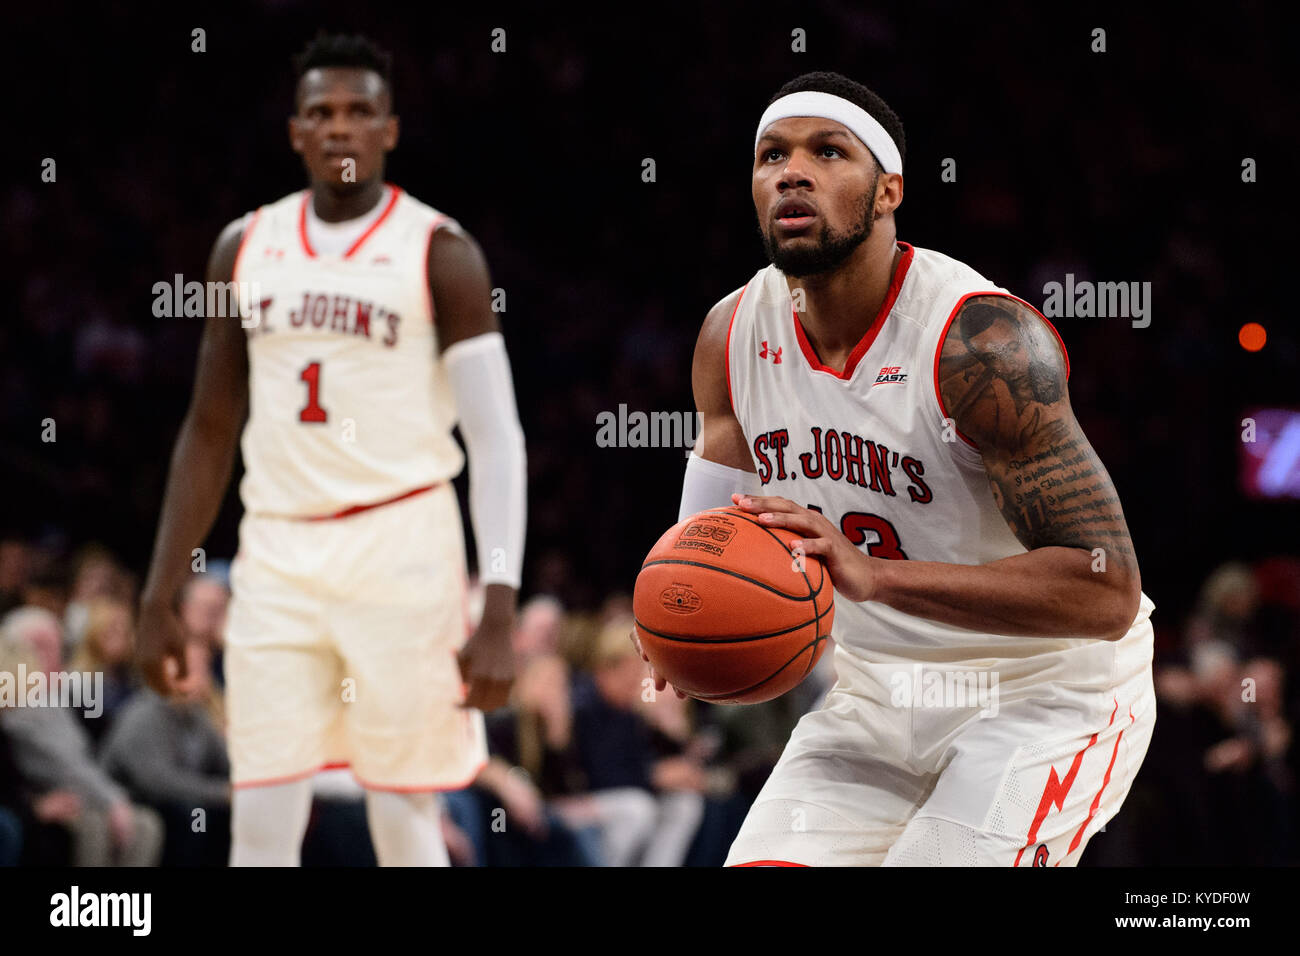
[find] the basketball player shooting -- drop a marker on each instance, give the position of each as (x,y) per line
(369,336)
(909,420)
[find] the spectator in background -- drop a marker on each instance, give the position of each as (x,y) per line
(53,753)
(107,649)
(538,629)
(96,575)
(203,604)
(47,587)
(532,762)
(1226,607)
(170,756)
(1221,787)
(679,775)
(615,751)
(1248,763)
(37,824)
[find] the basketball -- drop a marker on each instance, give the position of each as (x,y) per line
(727,613)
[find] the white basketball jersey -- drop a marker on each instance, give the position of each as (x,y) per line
(867,447)
(349,404)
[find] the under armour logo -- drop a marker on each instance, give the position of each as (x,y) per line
(774,353)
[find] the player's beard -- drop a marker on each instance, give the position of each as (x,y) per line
(832,248)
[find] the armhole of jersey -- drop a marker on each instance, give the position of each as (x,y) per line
(439,221)
(251,224)
(968,447)
(731,398)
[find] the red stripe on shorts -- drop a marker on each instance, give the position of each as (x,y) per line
(1057,789)
(357,509)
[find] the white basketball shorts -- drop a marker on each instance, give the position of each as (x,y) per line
(1023,776)
(341,647)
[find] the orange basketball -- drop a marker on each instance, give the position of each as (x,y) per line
(727,613)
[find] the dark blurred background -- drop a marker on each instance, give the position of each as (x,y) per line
(1117,166)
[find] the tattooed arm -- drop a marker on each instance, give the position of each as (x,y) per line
(1002,380)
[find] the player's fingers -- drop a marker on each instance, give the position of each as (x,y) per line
(636,642)
(819,546)
(805,524)
(758,503)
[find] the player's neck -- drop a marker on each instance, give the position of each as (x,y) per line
(336,205)
(839,307)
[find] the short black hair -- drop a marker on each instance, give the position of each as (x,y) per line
(839,85)
(340,49)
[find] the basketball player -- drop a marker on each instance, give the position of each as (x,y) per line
(371,335)
(909,420)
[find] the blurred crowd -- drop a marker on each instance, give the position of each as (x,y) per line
(1219,785)
(589,766)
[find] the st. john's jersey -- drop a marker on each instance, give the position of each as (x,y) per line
(873,449)
(349,404)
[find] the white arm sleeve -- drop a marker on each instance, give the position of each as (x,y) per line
(710,485)
(479,372)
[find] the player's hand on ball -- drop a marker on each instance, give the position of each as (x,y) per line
(487,665)
(160,647)
(850,570)
(660,683)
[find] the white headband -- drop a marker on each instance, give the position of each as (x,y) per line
(828,106)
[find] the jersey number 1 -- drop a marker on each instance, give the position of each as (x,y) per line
(312,412)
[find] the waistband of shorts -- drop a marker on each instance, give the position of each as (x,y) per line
(358,509)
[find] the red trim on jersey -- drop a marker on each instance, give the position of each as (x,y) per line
(1056,790)
(943,336)
(769,863)
(394,193)
(1096,801)
(727,352)
(878,323)
(357,509)
(428,245)
(302,225)
(243,244)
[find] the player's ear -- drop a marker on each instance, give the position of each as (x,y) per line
(392,127)
(889,193)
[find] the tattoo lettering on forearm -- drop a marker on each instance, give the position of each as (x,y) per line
(1002,380)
